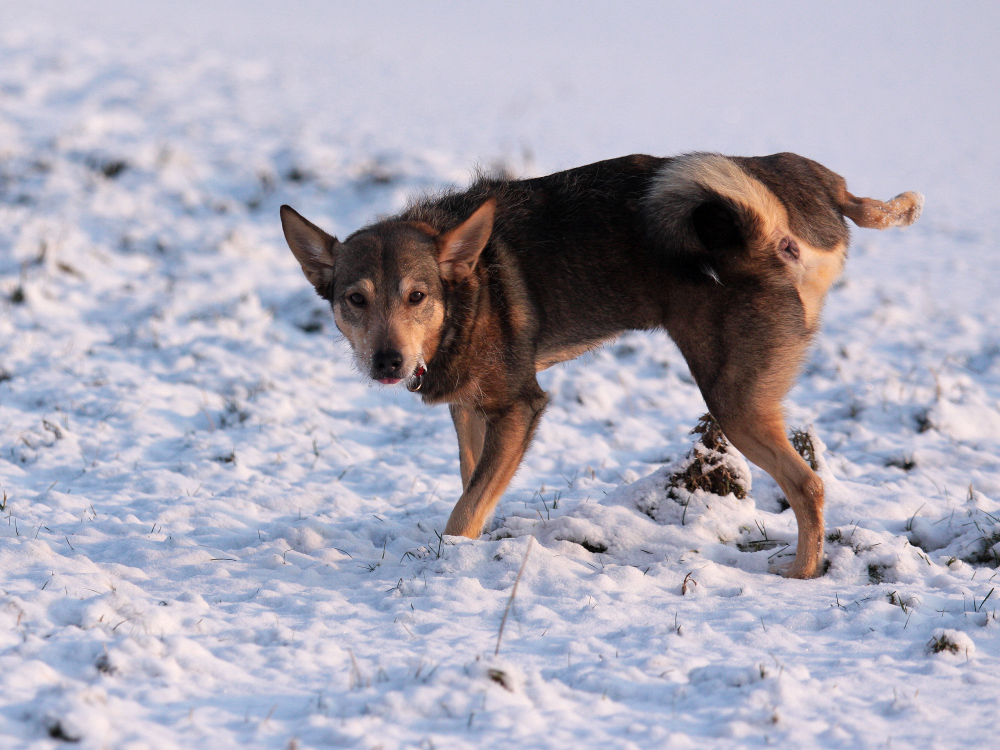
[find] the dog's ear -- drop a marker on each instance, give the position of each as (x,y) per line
(459,248)
(315,250)
(717,226)
(870,213)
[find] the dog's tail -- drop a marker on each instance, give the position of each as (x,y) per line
(701,204)
(705,202)
(901,211)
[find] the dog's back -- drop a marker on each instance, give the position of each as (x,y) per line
(577,244)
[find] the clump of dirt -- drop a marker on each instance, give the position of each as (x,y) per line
(708,466)
(802,442)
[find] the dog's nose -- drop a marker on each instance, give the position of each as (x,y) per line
(387,363)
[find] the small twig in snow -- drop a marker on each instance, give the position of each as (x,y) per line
(513,593)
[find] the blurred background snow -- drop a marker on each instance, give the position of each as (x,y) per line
(891,93)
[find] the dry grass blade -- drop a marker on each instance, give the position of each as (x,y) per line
(513,593)
(687,580)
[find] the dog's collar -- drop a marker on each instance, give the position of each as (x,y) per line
(416,380)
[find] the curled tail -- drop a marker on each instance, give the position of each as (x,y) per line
(705,203)
(901,211)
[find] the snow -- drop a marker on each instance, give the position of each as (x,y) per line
(216,534)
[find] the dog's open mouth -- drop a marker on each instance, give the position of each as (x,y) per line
(413,382)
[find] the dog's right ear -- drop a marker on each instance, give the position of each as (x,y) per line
(459,248)
(315,250)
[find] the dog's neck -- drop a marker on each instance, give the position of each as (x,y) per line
(463,308)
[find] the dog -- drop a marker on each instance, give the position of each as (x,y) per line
(466,295)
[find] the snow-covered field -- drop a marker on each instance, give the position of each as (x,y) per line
(215,535)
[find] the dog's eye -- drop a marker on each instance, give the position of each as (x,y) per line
(356,299)
(416,298)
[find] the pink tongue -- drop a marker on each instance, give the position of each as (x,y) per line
(389,381)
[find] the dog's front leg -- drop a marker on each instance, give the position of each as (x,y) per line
(507,436)
(470,426)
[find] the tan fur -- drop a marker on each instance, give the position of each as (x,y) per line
(901,211)
(360,334)
(547,359)
(423,226)
(415,331)
(676,191)
(760,435)
(819,269)
(470,426)
(505,440)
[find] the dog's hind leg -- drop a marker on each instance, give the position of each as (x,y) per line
(507,436)
(759,433)
(470,426)
(744,362)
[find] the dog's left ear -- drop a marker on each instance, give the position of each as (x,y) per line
(459,248)
(315,250)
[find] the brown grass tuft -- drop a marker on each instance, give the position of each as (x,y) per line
(803,444)
(942,642)
(707,471)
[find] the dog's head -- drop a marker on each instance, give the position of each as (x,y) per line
(387,284)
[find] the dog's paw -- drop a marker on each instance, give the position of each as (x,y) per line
(800,569)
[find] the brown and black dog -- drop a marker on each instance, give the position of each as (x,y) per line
(467,295)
